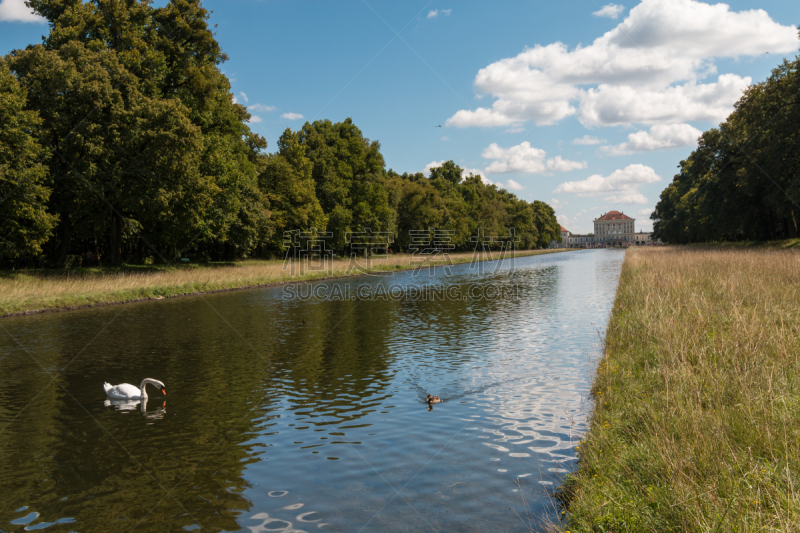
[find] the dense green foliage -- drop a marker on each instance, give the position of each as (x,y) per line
(743,180)
(24,221)
(121,137)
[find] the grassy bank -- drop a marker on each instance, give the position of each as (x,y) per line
(34,291)
(783,243)
(696,425)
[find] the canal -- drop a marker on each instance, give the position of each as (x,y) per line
(302,408)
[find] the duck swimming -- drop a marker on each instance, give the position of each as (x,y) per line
(432,399)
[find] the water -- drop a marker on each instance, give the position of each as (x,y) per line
(306,414)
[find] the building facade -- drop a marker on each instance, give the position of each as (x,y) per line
(611,229)
(615,228)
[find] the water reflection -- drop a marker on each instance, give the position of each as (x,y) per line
(293,415)
(132,405)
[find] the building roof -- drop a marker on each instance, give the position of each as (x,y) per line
(563,228)
(615,215)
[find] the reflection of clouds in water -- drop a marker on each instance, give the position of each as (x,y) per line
(274,523)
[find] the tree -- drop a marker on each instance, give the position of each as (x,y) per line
(145,137)
(287,182)
(349,175)
(743,180)
(24,219)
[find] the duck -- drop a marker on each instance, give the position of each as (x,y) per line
(432,399)
(126,391)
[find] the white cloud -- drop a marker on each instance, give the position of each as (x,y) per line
(525,158)
(588,140)
(659,137)
(647,70)
(514,186)
(244,96)
(646,212)
(446,12)
(261,108)
(254,119)
(445,138)
(235,100)
(292,116)
(618,105)
(515,129)
(611,11)
(432,13)
(622,186)
(17,11)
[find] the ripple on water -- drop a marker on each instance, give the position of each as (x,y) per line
(309,415)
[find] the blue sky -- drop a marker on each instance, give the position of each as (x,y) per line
(638,79)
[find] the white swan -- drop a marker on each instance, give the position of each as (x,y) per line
(126,391)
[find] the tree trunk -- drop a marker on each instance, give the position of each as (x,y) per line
(116,240)
(65,236)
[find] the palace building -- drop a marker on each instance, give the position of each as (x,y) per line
(616,228)
(611,229)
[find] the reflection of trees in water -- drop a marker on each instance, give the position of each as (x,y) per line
(224,391)
(329,363)
(336,360)
(64,464)
(452,334)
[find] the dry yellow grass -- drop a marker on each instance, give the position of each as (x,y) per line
(30,292)
(696,424)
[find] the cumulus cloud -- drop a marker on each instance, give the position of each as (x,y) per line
(432,13)
(588,140)
(254,119)
(611,11)
(292,116)
(617,105)
(621,186)
(525,158)
(445,138)
(646,212)
(261,108)
(512,185)
(647,70)
(446,12)
(17,11)
(244,96)
(660,137)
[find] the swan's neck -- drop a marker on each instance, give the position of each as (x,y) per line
(145,381)
(143,387)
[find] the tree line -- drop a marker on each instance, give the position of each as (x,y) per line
(119,135)
(743,180)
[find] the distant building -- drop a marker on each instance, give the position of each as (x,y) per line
(615,228)
(611,229)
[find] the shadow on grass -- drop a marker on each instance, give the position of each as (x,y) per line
(88,272)
(740,245)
